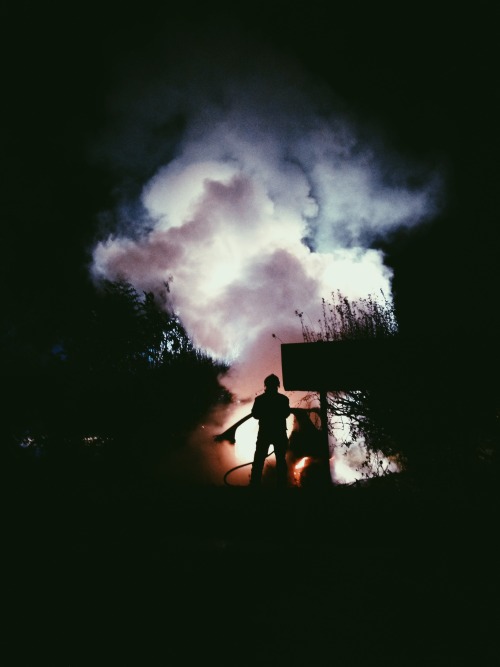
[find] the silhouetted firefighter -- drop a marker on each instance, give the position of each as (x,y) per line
(307,440)
(271,409)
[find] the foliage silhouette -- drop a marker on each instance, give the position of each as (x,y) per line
(438,423)
(358,413)
(115,386)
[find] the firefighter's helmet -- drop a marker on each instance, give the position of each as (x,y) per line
(272,381)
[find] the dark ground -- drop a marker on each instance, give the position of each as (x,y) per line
(104,571)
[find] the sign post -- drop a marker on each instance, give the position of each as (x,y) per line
(347,365)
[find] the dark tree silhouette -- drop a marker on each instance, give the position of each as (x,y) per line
(115,384)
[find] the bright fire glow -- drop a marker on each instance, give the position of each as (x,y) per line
(299,467)
(246,437)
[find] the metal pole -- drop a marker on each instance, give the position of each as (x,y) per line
(324,430)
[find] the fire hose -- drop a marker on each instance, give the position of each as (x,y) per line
(242,465)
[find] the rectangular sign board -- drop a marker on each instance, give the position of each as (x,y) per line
(360,364)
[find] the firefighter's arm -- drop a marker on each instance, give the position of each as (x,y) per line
(230,433)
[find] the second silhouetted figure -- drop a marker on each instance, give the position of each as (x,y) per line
(271,409)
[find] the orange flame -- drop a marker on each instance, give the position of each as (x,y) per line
(299,467)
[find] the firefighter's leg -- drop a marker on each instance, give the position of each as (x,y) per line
(281,465)
(261,449)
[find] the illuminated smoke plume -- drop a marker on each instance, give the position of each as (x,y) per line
(247,190)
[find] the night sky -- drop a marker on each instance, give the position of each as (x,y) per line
(368,133)
(417,83)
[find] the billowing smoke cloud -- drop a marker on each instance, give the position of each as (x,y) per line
(245,188)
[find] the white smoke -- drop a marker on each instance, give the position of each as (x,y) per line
(262,200)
